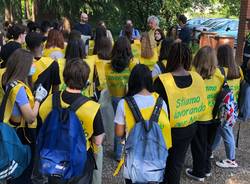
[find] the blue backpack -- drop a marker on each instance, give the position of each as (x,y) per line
(61,141)
(145,149)
(14,156)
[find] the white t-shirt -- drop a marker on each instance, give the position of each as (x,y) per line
(156,71)
(142,102)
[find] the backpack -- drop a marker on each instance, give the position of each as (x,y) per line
(145,149)
(61,141)
(225,108)
(15,157)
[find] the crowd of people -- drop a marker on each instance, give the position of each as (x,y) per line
(154,84)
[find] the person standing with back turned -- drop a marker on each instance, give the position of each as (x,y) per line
(184,92)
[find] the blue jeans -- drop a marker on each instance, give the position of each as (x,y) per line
(228,137)
(117,140)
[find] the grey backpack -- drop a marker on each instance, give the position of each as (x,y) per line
(145,149)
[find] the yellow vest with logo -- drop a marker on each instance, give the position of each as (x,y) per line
(100,71)
(86,114)
(146,114)
(150,62)
(10,104)
(117,82)
(213,87)
(186,105)
(234,84)
(89,91)
(41,65)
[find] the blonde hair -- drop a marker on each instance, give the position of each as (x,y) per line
(205,62)
(146,49)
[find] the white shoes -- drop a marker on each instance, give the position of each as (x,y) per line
(227,164)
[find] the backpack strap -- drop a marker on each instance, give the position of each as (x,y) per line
(5,98)
(223,73)
(157,110)
(78,103)
(161,66)
(56,102)
(135,109)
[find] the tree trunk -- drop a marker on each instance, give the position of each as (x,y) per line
(8,16)
(27,8)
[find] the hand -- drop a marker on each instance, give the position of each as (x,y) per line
(41,93)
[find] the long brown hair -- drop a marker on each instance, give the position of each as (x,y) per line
(55,39)
(225,57)
(18,66)
(205,62)
(146,50)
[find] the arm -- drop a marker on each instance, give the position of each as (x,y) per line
(28,113)
(120,120)
(98,128)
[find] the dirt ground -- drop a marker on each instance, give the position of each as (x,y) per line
(240,175)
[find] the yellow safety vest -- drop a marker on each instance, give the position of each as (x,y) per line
(213,87)
(91,47)
(86,114)
(48,51)
(146,114)
(150,62)
(186,105)
(136,49)
(41,65)
(117,82)
(10,104)
(89,91)
(100,71)
(2,70)
(234,84)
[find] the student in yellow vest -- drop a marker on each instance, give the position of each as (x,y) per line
(184,92)
(76,49)
(140,86)
(76,76)
(160,66)
(234,75)
(22,107)
(16,35)
(46,70)
(117,74)
(149,55)
(159,36)
(103,56)
(205,63)
(54,46)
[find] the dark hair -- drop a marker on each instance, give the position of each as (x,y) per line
(128,32)
(161,33)
(15,31)
(146,49)
(18,66)
(32,26)
(34,40)
(55,39)
(45,25)
(100,33)
(76,73)
(75,47)
(140,78)
(169,34)
(183,19)
(105,48)
(180,56)
(225,57)
(165,48)
(121,54)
